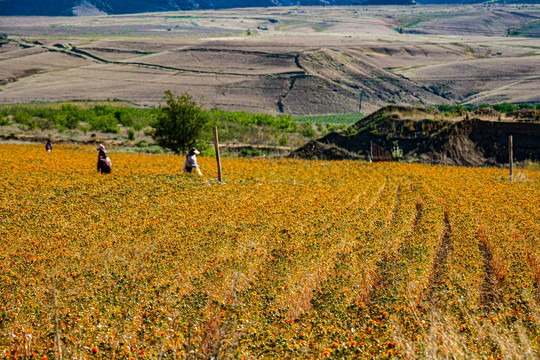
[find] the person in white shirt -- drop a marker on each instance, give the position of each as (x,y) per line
(190,165)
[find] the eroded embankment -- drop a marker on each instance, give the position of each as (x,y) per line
(424,135)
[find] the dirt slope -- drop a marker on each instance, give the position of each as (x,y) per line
(346,74)
(424,135)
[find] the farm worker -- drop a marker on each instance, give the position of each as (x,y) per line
(191,162)
(48,146)
(104,163)
(102,151)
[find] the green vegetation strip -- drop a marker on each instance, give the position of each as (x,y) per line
(341,119)
(129,123)
(531,29)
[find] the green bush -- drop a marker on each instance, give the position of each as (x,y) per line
(335,127)
(44,124)
(70,116)
(505,107)
(244,119)
(397,152)
(4,121)
(339,119)
(526,106)
(131,134)
(351,132)
(84,127)
(307,130)
(252,153)
(135,118)
(106,123)
(142,143)
(140,122)
(285,122)
(22,117)
(154,149)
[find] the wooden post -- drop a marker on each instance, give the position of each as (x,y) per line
(56,327)
(216,145)
(511,157)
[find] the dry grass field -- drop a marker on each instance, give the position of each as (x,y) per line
(295,60)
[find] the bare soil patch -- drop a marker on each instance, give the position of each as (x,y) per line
(489,294)
(317,150)
(221,61)
(444,252)
(42,62)
(471,21)
(469,79)
(525,114)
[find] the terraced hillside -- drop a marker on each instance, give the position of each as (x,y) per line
(278,60)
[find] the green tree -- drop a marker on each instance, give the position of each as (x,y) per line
(181,124)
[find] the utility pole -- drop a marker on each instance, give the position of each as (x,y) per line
(360,103)
(511,157)
(216,146)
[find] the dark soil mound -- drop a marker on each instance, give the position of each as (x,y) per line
(525,114)
(422,135)
(486,113)
(317,150)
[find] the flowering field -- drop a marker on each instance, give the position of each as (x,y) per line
(287,259)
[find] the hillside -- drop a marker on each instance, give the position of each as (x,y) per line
(425,135)
(93,7)
(292,60)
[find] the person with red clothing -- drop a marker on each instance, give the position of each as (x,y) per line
(104,164)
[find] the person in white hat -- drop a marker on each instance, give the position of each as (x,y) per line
(190,164)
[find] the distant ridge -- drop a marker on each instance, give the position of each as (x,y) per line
(389,2)
(93,7)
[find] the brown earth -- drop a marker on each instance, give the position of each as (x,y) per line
(525,115)
(424,135)
(318,150)
(295,60)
